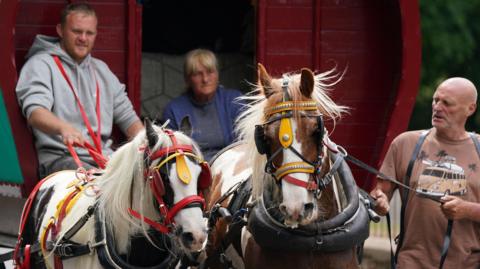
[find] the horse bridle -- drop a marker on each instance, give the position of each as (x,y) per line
(283,112)
(152,175)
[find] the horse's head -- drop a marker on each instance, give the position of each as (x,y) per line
(290,136)
(154,182)
(176,172)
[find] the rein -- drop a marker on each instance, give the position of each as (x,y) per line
(96,138)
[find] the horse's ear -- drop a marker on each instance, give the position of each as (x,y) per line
(264,80)
(307,82)
(152,136)
(186,126)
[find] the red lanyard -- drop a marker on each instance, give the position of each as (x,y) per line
(96,138)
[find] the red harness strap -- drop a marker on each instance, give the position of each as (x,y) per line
(99,159)
(310,185)
(23,221)
(164,228)
(96,138)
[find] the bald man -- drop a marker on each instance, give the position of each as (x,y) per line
(443,160)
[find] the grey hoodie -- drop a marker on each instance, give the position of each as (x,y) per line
(41,84)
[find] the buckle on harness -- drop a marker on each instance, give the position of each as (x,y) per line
(64,250)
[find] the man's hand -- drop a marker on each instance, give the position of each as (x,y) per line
(382,205)
(454,207)
(70,135)
(44,120)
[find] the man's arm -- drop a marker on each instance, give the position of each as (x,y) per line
(45,121)
(134,129)
(456,208)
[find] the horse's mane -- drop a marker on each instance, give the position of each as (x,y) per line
(124,171)
(257,101)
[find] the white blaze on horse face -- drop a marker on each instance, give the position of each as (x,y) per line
(295,198)
(190,221)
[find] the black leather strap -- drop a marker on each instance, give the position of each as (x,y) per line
(408,174)
(473,136)
(446,243)
(71,250)
(392,256)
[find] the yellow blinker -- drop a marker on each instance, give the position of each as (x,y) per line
(182,169)
(285,133)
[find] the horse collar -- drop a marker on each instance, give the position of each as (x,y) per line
(108,256)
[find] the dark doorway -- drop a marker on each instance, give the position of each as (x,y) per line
(172,28)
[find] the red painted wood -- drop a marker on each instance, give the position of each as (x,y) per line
(376,43)
(134,56)
(261,43)
(410,78)
(291,18)
(289,42)
(8,79)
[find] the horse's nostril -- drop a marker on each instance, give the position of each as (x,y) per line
(308,208)
(187,238)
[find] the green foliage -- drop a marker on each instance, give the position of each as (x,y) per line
(450,48)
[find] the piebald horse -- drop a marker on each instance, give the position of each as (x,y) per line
(143,211)
(283,197)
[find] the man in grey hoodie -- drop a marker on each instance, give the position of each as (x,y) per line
(70,97)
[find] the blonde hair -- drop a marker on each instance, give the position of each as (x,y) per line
(197,57)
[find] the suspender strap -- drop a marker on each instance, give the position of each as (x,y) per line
(446,243)
(392,256)
(448,234)
(473,136)
(408,174)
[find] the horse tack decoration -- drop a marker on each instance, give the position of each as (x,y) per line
(144,213)
(303,208)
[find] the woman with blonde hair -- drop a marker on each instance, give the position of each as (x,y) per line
(209,107)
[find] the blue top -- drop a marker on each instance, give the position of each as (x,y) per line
(226,107)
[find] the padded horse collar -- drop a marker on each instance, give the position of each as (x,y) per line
(346,229)
(108,256)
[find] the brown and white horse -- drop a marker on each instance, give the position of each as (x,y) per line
(143,210)
(304,209)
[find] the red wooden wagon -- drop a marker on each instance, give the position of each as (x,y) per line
(376,41)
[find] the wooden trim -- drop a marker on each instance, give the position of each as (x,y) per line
(410,74)
(261,31)
(317,34)
(134,50)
